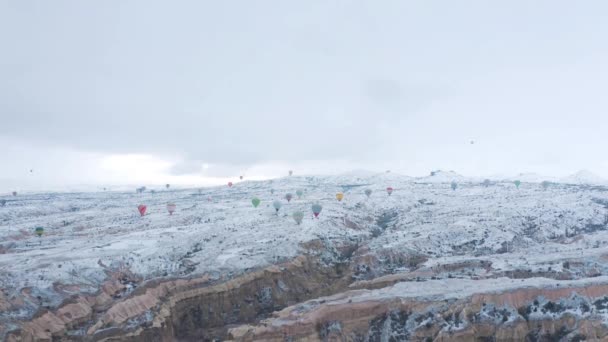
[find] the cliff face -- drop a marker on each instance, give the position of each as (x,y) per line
(521,314)
(307,300)
(425,263)
(190,309)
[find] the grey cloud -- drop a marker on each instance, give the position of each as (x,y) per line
(239,83)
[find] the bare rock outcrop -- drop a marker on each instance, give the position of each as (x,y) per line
(573,311)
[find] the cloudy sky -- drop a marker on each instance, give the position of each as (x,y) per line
(113,92)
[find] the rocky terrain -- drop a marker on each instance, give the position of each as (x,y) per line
(488,261)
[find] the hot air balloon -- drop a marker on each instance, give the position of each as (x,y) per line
(487,183)
(241,177)
(14,193)
(255,201)
(545,184)
(2,202)
(209,199)
(171,208)
(230,184)
(517,183)
(167,186)
(339,196)
(389,190)
(272,191)
(368,192)
(142,209)
(454,185)
(298,216)
(290,172)
(200,191)
(316,209)
(288,197)
(299,193)
(277,205)
(39,231)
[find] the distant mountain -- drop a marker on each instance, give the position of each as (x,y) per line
(440,176)
(531,177)
(361,173)
(359,176)
(583,177)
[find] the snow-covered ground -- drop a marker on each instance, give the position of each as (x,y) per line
(217,230)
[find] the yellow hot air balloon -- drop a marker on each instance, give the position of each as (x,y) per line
(339,196)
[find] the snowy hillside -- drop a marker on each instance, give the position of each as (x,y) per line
(531,178)
(584,177)
(440,176)
(218,232)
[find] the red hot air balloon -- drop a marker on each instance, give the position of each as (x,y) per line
(171,208)
(389,190)
(230,184)
(142,209)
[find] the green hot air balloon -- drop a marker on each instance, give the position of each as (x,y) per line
(277,205)
(517,183)
(368,192)
(39,231)
(255,201)
(545,184)
(316,209)
(454,185)
(299,193)
(298,216)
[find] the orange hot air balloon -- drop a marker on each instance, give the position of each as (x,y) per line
(230,184)
(389,190)
(142,209)
(339,196)
(171,208)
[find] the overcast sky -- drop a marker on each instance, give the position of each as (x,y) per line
(198,92)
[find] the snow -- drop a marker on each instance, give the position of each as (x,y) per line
(85,233)
(440,176)
(584,177)
(531,178)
